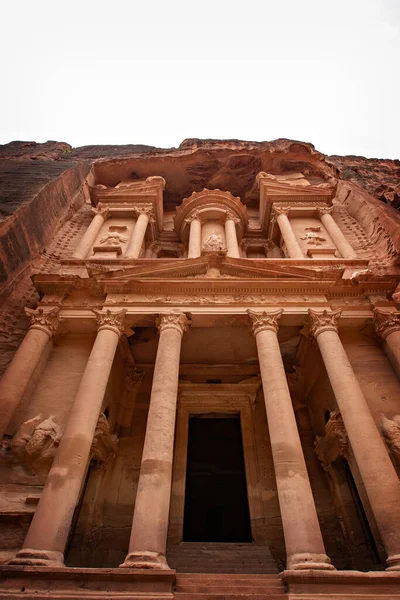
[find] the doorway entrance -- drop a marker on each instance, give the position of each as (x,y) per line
(216,503)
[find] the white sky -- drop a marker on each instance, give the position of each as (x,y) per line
(158,71)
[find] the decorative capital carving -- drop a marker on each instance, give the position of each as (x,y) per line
(230,216)
(281,210)
(319,322)
(102,210)
(144,210)
(194,216)
(178,321)
(386,322)
(265,321)
(110,320)
(324,210)
(45,321)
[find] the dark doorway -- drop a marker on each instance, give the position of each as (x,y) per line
(216,504)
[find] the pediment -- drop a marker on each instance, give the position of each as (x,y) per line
(214,267)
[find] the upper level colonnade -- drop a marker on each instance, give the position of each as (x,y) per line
(48,533)
(292,221)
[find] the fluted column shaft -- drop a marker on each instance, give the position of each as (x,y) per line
(231,237)
(137,238)
(147,546)
(16,379)
(291,243)
(49,530)
(303,539)
(378,474)
(91,233)
(387,326)
(194,250)
(335,233)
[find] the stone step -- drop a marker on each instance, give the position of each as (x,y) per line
(200,557)
(221,578)
(229,589)
(227,596)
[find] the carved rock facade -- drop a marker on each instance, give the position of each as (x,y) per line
(253,297)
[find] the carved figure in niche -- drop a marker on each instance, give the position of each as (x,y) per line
(105,444)
(391,432)
(114,236)
(214,242)
(36,441)
(313,236)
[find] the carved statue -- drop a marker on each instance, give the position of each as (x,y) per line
(391,432)
(35,443)
(214,242)
(114,237)
(313,236)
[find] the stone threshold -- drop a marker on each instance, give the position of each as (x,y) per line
(341,585)
(69,583)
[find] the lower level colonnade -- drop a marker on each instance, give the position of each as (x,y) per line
(48,533)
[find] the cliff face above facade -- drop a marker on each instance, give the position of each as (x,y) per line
(41,185)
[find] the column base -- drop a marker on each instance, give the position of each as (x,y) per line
(308,561)
(145,560)
(393,562)
(39,558)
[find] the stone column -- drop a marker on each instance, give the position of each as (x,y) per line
(231,236)
(387,326)
(16,379)
(335,233)
(148,541)
(292,245)
(194,250)
(91,233)
(378,475)
(49,530)
(150,251)
(139,231)
(303,539)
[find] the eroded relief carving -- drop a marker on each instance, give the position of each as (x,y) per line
(105,444)
(333,443)
(313,236)
(114,236)
(214,242)
(35,443)
(391,432)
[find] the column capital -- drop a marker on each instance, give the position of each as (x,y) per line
(194,216)
(281,210)
(144,210)
(265,321)
(386,322)
(323,321)
(178,321)
(324,210)
(230,216)
(110,320)
(102,210)
(45,321)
